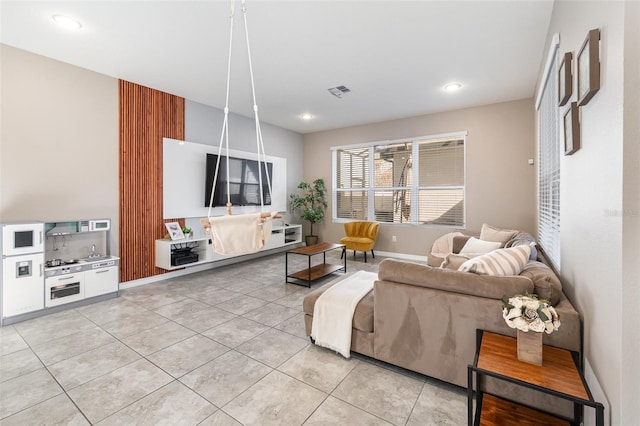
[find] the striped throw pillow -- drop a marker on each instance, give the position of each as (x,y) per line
(501,262)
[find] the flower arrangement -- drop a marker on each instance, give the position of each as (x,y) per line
(528,312)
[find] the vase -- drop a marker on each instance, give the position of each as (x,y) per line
(530,347)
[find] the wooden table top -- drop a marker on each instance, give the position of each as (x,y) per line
(316,248)
(558,371)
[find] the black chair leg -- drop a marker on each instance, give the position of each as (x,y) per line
(342,254)
(354,254)
(372,254)
(365,257)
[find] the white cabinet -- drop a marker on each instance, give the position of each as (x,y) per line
(100,281)
(22,238)
(22,284)
(63,289)
(284,235)
(275,240)
(66,288)
(281,236)
(292,234)
(166,247)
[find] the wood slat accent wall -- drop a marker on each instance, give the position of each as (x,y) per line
(145,117)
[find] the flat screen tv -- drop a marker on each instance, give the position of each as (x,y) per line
(244,183)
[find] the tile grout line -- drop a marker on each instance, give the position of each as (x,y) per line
(140,305)
(413,407)
(64,391)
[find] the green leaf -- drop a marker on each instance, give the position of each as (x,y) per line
(310,201)
(542,316)
(506,304)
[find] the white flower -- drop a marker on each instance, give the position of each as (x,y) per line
(537,325)
(548,327)
(511,314)
(523,313)
(521,324)
(531,304)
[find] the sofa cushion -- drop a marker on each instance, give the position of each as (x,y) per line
(434,261)
(523,238)
(491,233)
(546,283)
(476,246)
(362,317)
(411,273)
(455,261)
(459,242)
(502,262)
(356,240)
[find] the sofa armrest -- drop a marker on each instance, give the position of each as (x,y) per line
(404,272)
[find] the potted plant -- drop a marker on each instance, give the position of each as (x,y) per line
(311,202)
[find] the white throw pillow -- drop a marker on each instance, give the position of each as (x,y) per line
(501,262)
(476,246)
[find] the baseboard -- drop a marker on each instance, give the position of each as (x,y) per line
(598,394)
(219,263)
(55,309)
(203,267)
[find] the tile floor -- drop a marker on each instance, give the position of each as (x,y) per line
(221,347)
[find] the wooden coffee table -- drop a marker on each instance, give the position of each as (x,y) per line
(312,273)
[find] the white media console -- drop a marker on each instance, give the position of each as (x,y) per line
(281,236)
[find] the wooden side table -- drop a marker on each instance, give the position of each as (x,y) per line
(559,375)
(312,273)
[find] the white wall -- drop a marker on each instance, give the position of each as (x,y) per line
(593,205)
(184,169)
(203,124)
(58,141)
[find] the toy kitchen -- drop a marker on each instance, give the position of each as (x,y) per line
(51,266)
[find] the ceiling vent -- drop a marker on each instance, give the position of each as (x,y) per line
(339,91)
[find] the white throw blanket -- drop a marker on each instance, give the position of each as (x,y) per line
(334,309)
(239,234)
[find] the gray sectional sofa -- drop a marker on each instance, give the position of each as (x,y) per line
(424,318)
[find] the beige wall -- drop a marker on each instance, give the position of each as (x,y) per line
(59,141)
(500,185)
(598,185)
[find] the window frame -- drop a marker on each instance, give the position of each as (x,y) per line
(414,186)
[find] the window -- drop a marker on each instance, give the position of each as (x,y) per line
(413,181)
(549,161)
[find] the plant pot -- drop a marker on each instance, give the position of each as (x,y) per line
(530,347)
(311,240)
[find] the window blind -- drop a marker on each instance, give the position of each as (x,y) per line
(549,168)
(418,180)
(351,174)
(353,168)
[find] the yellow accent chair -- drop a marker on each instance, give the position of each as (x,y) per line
(361,236)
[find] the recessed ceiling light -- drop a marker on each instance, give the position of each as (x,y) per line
(67,22)
(306,116)
(452,87)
